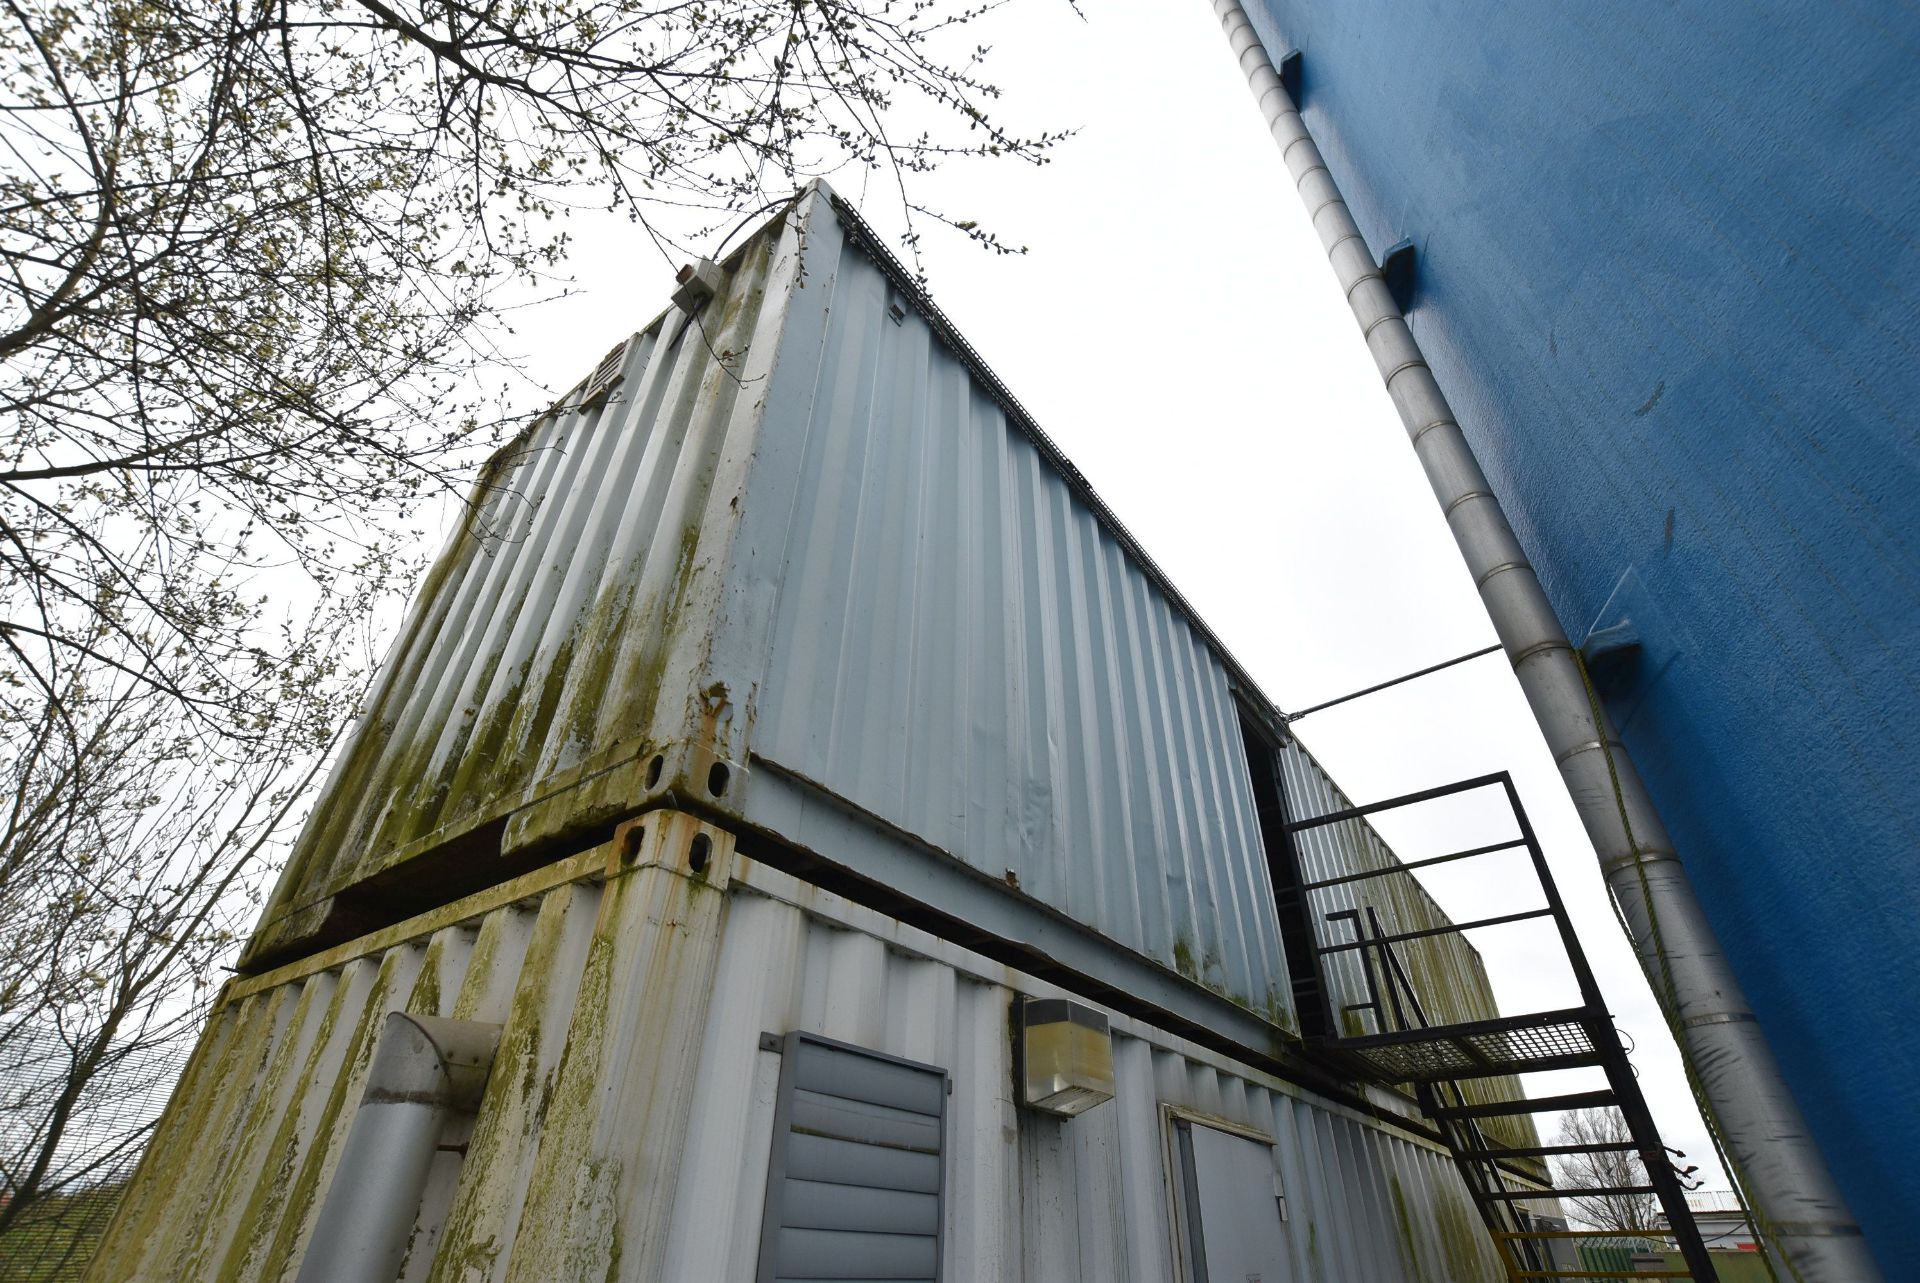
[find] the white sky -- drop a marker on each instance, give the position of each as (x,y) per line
(1176,329)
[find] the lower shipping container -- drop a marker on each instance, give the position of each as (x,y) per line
(708,1069)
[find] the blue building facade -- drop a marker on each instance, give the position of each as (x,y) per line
(1667,275)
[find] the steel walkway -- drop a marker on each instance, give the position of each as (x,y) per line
(1396,1038)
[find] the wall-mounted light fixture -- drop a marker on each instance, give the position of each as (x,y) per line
(1066,1056)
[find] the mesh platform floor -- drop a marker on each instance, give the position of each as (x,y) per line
(1430,1055)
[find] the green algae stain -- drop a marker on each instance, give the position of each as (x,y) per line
(510,1120)
(1463,1239)
(1409,1242)
(425,998)
(262,1214)
(1183,958)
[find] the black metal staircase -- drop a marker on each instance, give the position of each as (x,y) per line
(1454,1065)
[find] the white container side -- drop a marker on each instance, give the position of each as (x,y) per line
(961,647)
(803,531)
(542,647)
(652,1164)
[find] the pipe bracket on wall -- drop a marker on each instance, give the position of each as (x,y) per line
(1400,270)
(1290,75)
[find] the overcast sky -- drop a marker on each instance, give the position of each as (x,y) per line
(1175,327)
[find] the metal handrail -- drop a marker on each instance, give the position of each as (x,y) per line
(1453,928)
(1405,799)
(1481,1163)
(1409,866)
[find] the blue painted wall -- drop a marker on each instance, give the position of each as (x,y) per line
(1669,256)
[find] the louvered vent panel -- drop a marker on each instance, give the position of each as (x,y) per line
(855,1181)
(606,374)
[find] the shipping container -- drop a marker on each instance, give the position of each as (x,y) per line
(800,562)
(1665,271)
(786,712)
(634,1102)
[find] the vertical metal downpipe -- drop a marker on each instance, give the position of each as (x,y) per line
(1782,1171)
(425,1070)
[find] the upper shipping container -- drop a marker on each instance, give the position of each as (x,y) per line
(796,561)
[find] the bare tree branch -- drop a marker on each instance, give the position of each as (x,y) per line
(1608,1169)
(251,260)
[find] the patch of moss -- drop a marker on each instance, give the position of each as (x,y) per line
(1183,957)
(1409,1241)
(1464,1241)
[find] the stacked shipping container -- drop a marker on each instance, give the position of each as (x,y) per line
(795,587)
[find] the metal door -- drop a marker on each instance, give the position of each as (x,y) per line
(1232,1206)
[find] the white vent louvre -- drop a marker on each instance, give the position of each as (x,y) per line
(605,375)
(856,1174)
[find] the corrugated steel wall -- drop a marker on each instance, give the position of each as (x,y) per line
(602,1151)
(542,647)
(1445,970)
(808,530)
(963,649)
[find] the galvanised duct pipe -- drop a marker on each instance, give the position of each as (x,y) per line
(1779,1166)
(425,1070)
